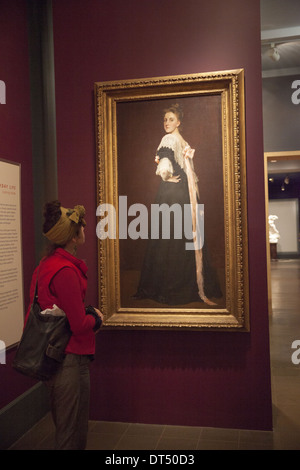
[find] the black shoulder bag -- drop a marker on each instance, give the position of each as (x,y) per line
(42,345)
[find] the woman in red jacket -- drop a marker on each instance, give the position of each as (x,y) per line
(62,283)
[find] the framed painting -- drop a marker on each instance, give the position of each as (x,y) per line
(171,202)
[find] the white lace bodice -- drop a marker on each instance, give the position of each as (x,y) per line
(177,145)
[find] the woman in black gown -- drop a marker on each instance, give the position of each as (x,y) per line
(171,274)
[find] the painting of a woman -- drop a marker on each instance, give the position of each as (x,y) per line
(172,274)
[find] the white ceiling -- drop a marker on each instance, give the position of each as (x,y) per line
(280,25)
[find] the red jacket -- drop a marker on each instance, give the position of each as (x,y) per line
(62,281)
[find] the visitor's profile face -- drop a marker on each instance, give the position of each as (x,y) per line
(171,122)
(81,236)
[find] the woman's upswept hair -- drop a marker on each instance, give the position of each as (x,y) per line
(177,110)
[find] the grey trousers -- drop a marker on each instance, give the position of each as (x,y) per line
(70,401)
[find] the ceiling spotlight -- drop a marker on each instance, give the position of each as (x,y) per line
(274,53)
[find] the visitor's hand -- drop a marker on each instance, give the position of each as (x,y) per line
(100,315)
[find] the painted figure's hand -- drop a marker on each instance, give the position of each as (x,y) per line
(174,179)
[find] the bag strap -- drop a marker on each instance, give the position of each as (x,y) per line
(35,297)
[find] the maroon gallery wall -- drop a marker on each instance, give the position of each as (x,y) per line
(185,378)
(15,145)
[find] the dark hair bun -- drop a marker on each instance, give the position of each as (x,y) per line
(176,109)
(51,214)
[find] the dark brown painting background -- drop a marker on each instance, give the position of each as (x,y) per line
(139,132)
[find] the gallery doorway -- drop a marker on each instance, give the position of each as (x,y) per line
(282,202)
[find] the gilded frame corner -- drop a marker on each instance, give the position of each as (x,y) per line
(228,88)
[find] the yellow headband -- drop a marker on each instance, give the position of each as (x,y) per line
(65,228)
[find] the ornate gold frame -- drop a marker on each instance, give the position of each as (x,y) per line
(229,85)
